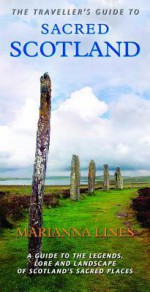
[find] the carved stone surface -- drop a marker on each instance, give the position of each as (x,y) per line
(39,171)
(75,178)
(118,179)
(91,176)
(106,178)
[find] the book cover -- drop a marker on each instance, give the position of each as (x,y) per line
(74,146)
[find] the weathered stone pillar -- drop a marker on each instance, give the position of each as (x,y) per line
(75,178)
(78,176)
(106,178)
(91,176)
(118,179)
(39,171)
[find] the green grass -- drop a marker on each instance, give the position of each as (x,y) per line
(99,211)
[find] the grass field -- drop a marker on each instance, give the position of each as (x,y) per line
(109,209)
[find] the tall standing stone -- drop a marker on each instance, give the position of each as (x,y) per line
(75,178)
(106,178)
(39,171)
(78,176)
(118,179)
(91,176)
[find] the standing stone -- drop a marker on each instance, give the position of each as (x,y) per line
(106,178)
(75,178)
(78,176)
(118,179)
(91,176)
(39,171)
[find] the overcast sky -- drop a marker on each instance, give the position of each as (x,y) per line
(100,106)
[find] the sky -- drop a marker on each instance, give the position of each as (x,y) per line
(100,106)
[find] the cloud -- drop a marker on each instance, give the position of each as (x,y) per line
(120,139)
(84,104)
(116,133)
